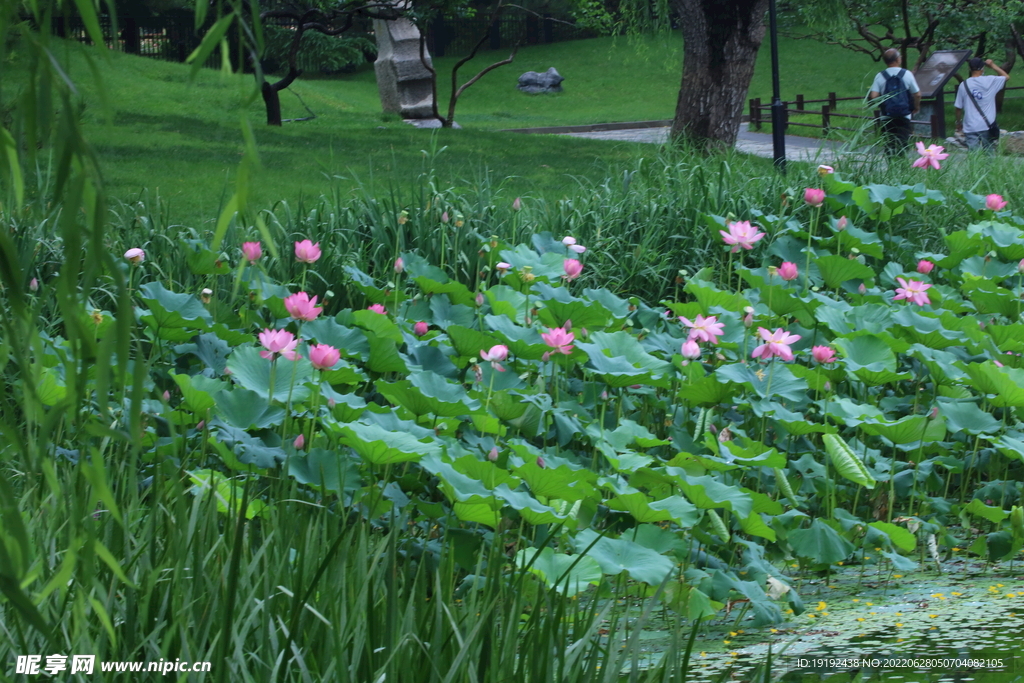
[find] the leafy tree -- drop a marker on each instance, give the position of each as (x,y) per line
(920,26)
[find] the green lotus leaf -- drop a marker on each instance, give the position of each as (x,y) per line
(877,378)
(1007,239)
(899,562)
(252,372)
(709,296)
(988,297)
(707,492)
(965,416)
(617,555)
(872,318)
(202,261)
(784,301)
(378,446)
(427,392)
(851,413)
(767,383)
(350,341)
(926,329)
(174,316)
(508,303)
(1004,386)
(325,470)
(835,270)
(750,454)
(384,355)
(855,238)
(707,391)
(568,574)
(909,429)
(469,342)
(365,284)
(247,409)
(478,513)
(791,421)
(989,512)
(675,508)
(754,525)
(210,349)
(899,536)
(846,461)
(867,351)
(489,474)
(244,448)
(457,292)
(522,342)
(620,360)
(820,543)
(378,324)
(227,492)
(617,307)
(560,307)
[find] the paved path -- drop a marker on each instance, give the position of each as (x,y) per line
(797,148)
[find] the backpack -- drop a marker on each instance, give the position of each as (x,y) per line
(896,100)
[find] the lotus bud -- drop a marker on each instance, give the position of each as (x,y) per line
(713,429)
(827,386)
(862,289)
(420,328)
(842,223)
(199,427)
(517,204)
(934,413)
(479,299)
(540,462)
(167,396)
(33,285)
(690,349)
(444,217)
(493,454)
(331,403)
(399,265)
(300,442)
(206,295)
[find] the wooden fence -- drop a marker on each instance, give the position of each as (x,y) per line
(761,113)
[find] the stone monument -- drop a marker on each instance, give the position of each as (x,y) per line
(402,80)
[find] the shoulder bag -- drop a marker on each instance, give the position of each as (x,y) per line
(993,129)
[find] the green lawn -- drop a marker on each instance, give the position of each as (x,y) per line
(180,138)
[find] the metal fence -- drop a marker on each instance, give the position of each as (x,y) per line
(172,36)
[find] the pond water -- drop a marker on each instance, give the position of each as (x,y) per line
(968,621)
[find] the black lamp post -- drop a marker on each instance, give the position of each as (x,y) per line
(778,108)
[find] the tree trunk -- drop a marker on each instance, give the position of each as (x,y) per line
(272,99)
(721,40)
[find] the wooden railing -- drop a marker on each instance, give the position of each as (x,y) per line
(761,113)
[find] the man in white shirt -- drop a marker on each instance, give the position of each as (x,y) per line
(984,90)
(898,107)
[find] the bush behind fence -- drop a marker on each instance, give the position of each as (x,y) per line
(172,37)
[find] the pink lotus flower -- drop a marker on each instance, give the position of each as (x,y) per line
(924,267)
(570,242)
(842,223)
(167,395)
(377,308)
(788,271)
(573,268)
(323,356)
(252,251)
(300,442)
(135,256)
(995,202)
(503,267)
(33,285)
(862,289)
(559,339)
(495,356)
(690,349)
(775,344)
(301,307)
(307,252)
(824,170)
(420,328)
(814,196)
(399,265)
(748,319)
(517,204)
(824,354)
(741,234)
(704,329)
(912,290)
(492,455)
(930,156)
(278,342)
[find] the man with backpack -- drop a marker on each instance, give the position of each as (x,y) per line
(900,100)
(976,105)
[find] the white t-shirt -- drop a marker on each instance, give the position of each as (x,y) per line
(908,80)
(984,89)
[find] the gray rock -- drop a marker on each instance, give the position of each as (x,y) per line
(1013,143)
(402,79)
(533,82)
